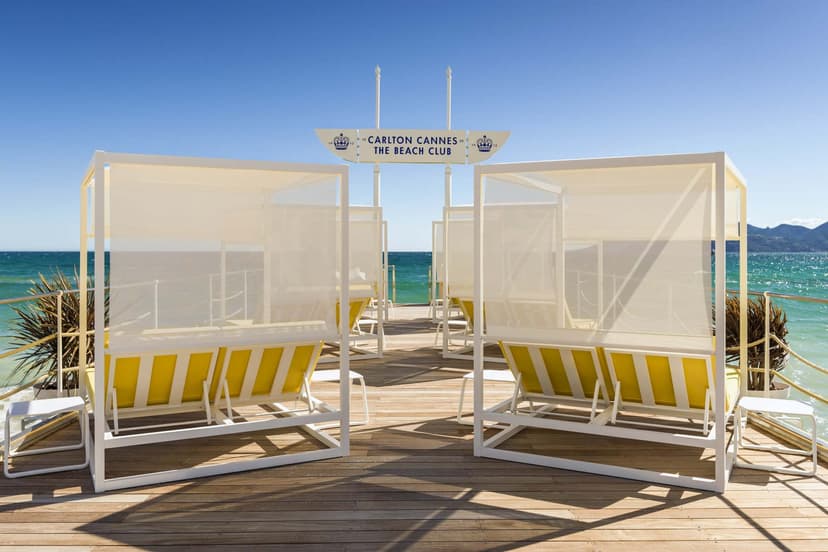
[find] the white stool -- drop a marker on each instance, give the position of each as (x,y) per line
(370,322)
(42,408)
(504,376)
(785,407)
(333,376)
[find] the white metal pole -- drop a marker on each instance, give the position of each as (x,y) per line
(448,98)
(433,270)
(721,329)
(560,265)
(766,374)
(345,316)
(82,298)
(60,345)
(377,190)
(99,474)
(385,262)
(245,295)
(155,303)
(478,313)
(377,73)
(267,273)
(223,284)
(447,202)
(743,290)
(382,256)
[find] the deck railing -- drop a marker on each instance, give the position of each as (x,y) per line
(59,336)
(814,393)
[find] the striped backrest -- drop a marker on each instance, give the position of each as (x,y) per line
(264,373)
(654,378)
(556,370)
(155,379)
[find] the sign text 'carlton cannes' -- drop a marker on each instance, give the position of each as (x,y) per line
(412,146)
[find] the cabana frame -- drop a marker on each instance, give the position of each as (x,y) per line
(103,438)
(718,439)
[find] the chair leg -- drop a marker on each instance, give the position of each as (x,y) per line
(6,446)
(361,380)
(814,451)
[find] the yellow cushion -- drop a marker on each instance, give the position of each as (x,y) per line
(554,367)
(161,378)
(302,363)
(661,381)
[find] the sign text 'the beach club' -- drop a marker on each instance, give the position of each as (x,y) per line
(412,146)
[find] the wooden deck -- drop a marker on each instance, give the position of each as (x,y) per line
(412,482)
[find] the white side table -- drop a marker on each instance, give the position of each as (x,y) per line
(785,407)
(333,376)
(503,376)
(42,408)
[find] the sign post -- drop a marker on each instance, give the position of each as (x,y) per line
(446,205)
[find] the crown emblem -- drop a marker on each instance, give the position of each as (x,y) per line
(484,144)
(341,142)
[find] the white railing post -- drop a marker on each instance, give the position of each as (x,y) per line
(155,304)
(60,343)
(245,295)
(210,299)
(767,343)
(393,283)
(578,294)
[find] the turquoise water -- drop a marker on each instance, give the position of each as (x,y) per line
(412,280)
(790,273)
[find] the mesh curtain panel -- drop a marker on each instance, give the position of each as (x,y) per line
(460,252)
(622,250)
(437,255)
(198,250)
(365,251)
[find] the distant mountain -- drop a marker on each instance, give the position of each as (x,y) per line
(787,238)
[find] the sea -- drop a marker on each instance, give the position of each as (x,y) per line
(789,273)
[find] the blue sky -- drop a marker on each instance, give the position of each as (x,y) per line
(252,80)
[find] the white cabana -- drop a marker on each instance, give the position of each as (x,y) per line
(601,279)
(223,282)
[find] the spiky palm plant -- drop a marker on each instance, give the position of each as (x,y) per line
(37,319)
(755,331)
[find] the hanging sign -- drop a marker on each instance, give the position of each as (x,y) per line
(412,146)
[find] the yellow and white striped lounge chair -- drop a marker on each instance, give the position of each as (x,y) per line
(264,374)
(358,306)
(467,308)
(668,384)
(557,374)
(142,384)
